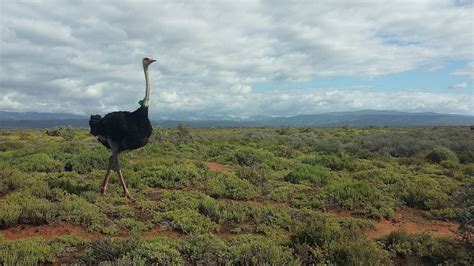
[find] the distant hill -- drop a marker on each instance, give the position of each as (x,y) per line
(10,116)
(336,119)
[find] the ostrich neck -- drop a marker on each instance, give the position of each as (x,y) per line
(148,88)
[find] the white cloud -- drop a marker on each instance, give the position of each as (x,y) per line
(461,85)
(466,71)
(85,58)
(168,97)
(241,89)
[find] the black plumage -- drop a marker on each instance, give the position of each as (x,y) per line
(129,130)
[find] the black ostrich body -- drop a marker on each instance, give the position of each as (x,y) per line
(128,130)
(123,131)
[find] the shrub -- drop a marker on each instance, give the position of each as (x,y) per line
(176,200)
(85,160)
(317,175)
(254,250)
(325,241)
(333,162)
(362,196)
(108,249)
(250,157)
(26,252)
(78,211)
(135,227)
(157,251)
(11,180)
(186,221)
(9,212)
(229,186)
(225,212)
(307,199)
(273,217)
(426,193)
(67,133)
(205,249)
(40,162)
(434,250)
(439,154)
(70,182)
(170,176)
(38,211)
(257,175)
(32,210)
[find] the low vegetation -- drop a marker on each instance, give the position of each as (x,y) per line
(286,196)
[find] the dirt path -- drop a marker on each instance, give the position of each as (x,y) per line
(413,222)
(47,231)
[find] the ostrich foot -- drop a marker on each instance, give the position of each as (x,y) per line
(127,195)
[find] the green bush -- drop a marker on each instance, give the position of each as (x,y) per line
(257,175)
(10,212)
(70,182)
(135,227)
(186,221)
(40,162)
(228,185)
(36,250)
(170,176)
(247,157)
(254,250)
(108,249)
(32,210)
(439,154)
(333,162)
(426,193)
(26,252)
(436,251)
(38,211)
(361,196)
(84,160)
(157,251)
(77,210)
(205,249)
(226,212)
(11,180)
(327,242)
(316,175)
(176,200)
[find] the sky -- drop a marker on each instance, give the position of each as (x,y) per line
(237,58)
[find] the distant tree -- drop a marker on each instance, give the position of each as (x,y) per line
(439,154)
(184,133)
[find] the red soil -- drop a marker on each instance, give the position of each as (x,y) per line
(218,167)
(47,231)
(413,221)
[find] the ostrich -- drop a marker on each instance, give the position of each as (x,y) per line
(123,131)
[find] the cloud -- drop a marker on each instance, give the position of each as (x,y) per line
(468,70)
(461,85)
(241,89)
(168,97)
(85,58)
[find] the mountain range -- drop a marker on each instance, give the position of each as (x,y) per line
(335,119)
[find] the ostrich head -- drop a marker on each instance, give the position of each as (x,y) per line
(147,61)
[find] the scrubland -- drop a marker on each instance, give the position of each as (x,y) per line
(276,196)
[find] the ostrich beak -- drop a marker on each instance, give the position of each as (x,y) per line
(152,60)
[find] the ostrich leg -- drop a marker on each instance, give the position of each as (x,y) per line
(107,175)
(122,181)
